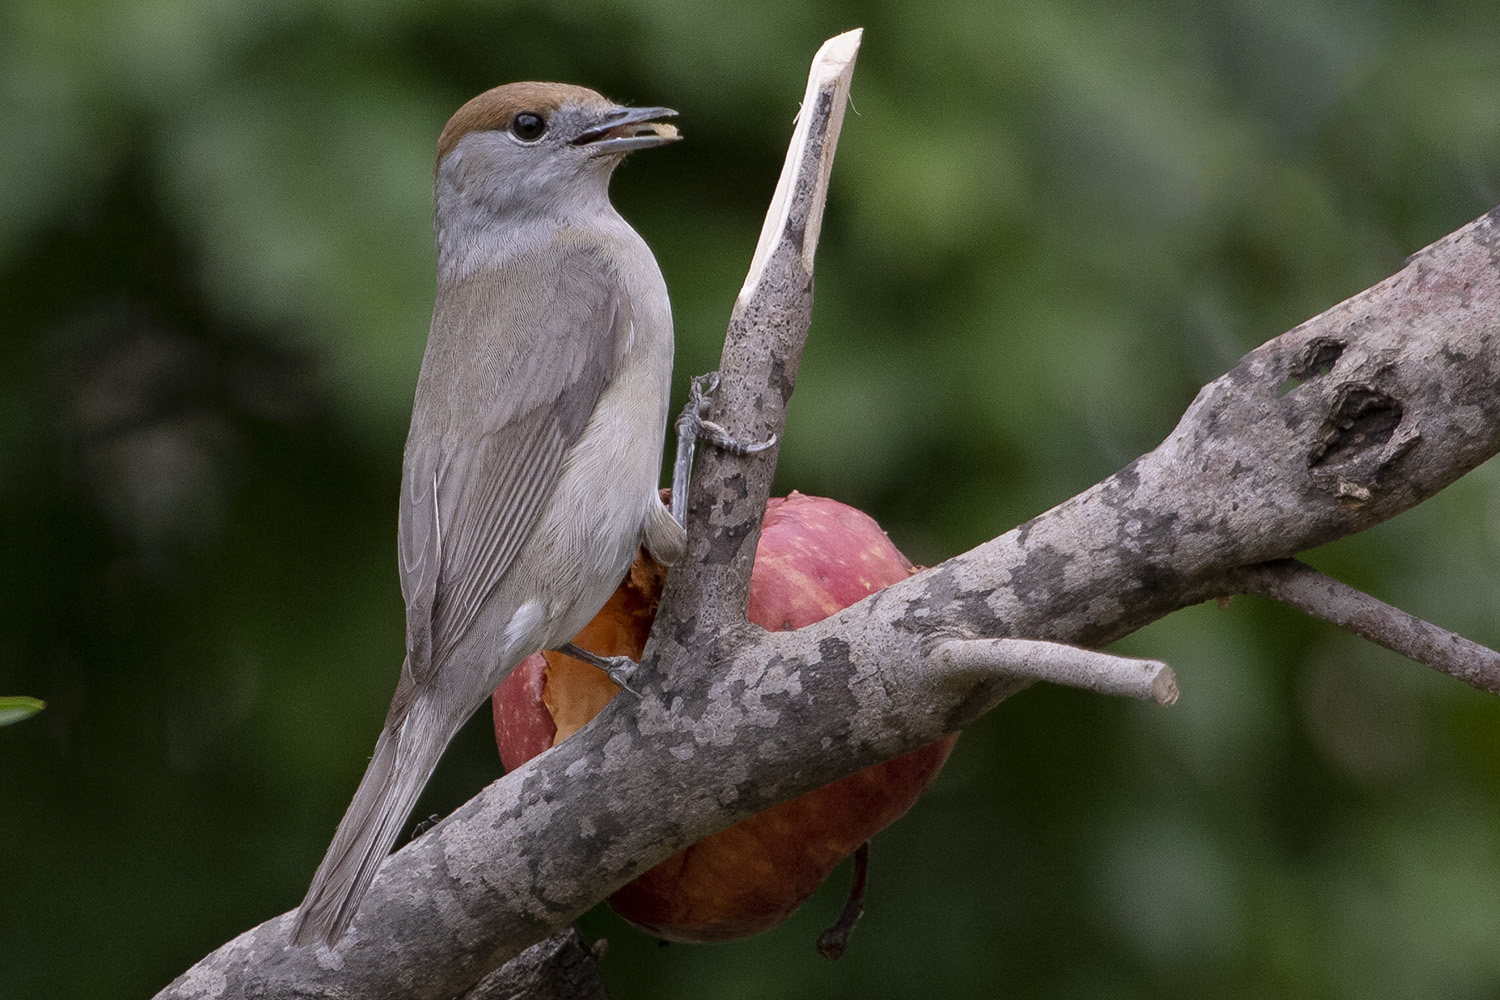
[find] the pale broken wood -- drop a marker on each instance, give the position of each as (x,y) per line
(809,159)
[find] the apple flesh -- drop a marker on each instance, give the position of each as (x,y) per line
(815,557)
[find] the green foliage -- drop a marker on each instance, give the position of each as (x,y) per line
(1049,225)
(14,709)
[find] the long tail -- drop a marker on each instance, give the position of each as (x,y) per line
(405,756)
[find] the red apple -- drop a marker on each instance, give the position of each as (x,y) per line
(815,557)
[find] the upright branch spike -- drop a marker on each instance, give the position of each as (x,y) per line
(762,352)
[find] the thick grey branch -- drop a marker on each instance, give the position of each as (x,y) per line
(1398,397)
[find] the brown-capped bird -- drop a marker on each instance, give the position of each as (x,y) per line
(530,475)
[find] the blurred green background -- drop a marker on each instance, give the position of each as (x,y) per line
(1049,224)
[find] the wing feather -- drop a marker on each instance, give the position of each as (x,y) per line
(515,365)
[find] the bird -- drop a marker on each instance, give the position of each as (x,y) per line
(529,478)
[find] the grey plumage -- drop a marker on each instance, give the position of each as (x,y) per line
(529,353)
(530,470)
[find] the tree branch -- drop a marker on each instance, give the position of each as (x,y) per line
(758,368)
(559,968)
(1300,586)
(1343,422)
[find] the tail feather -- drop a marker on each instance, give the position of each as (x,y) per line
(404,758)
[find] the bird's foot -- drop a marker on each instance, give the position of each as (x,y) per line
(692,427)
(617,668)
(692,423)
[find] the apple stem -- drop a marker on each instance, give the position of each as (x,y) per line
(833,941)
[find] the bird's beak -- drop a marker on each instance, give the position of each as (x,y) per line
(620,130)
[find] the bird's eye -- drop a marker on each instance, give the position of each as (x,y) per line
(528,126)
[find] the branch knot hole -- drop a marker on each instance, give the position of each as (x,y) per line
(1318,358)
(1363,417)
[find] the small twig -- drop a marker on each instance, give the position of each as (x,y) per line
(1059,663)
(833,941)
(1298,585)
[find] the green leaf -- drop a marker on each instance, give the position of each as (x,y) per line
(18,708)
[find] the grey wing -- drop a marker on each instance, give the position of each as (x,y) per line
(515,365)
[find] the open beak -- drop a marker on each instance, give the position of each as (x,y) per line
(621,130)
